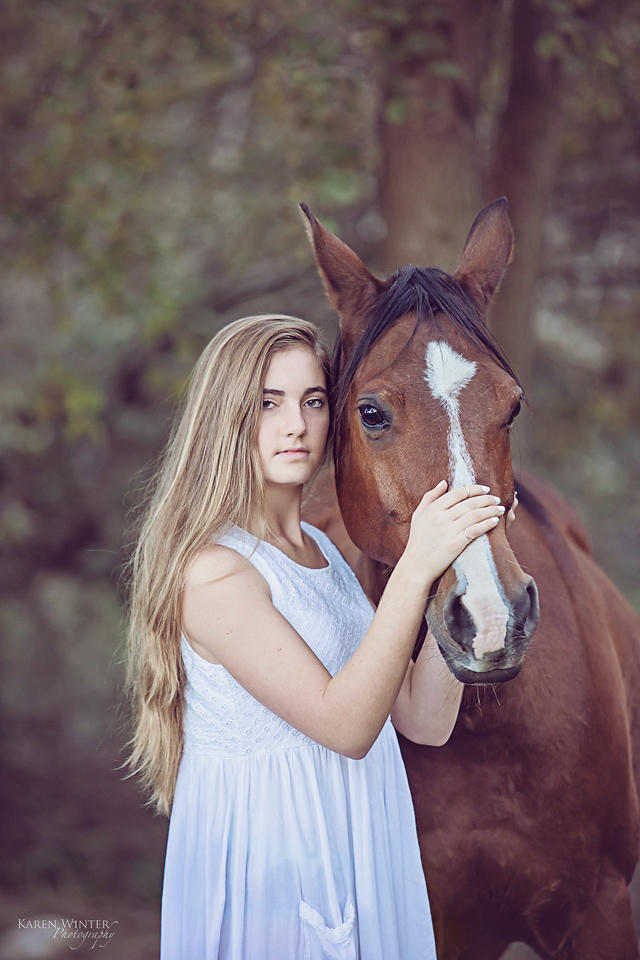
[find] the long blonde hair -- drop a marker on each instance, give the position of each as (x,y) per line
(210,477)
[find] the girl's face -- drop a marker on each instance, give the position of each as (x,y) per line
(295,417)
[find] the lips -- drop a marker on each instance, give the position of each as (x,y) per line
(293,451)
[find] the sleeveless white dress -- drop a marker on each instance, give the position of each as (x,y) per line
(279,848)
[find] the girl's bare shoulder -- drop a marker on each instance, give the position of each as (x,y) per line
(216,563)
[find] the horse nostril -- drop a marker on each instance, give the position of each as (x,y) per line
(527,608)
(458,619)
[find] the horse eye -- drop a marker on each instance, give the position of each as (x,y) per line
(514,413)
(371,416)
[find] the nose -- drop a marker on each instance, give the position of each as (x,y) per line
(457,618)
(526,608)
(523,618)
(295,424)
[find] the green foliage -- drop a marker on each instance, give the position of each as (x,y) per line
(549,45)
(447,70)
(395,110)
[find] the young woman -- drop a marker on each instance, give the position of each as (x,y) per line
(264,681)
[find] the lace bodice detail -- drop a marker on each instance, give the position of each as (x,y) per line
(330,612)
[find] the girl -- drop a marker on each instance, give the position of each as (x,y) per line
(263,680)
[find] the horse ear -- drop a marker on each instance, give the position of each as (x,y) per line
(486,254)
(351,288)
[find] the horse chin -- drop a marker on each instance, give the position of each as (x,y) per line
(465,667)
(466,674)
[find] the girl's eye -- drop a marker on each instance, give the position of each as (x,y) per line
(372,417)
(268,404)
(315,402)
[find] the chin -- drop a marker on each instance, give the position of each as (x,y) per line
(289,478)
(466,673)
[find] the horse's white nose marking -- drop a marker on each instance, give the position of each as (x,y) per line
(447,373)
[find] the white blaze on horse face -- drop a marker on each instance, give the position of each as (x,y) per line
(447,373)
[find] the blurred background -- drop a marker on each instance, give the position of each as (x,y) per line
(153,158)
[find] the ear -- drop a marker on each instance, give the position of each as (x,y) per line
(486,254)
(351,288)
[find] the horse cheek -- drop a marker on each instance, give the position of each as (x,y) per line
(370,521)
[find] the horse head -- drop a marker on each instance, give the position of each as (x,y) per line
(423,391)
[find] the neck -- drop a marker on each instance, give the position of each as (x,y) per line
(282,511)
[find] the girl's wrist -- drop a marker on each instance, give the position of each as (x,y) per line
(415,575)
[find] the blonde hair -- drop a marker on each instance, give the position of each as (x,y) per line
(210,477)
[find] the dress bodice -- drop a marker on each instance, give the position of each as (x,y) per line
(325,605)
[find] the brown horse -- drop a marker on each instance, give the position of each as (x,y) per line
(528,818)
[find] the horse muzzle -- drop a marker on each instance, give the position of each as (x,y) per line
(484,642)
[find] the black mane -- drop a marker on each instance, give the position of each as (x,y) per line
(426,291)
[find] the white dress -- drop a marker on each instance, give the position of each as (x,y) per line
(279,848)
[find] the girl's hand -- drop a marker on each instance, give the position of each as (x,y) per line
(445,523)
(512,512)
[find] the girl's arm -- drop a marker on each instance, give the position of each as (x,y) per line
(427,705)
(229,617)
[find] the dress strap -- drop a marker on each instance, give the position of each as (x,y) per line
(240,540)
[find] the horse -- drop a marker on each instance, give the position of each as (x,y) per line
(528,818)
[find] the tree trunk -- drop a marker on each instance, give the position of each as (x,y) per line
(524,168)
(432,168)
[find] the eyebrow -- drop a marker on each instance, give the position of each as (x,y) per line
(281,393)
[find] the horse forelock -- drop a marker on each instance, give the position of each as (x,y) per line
(427,292)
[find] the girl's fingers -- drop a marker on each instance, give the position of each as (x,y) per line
(472,503)
(482,513)
(433,494)
(459,494)
(477,529)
